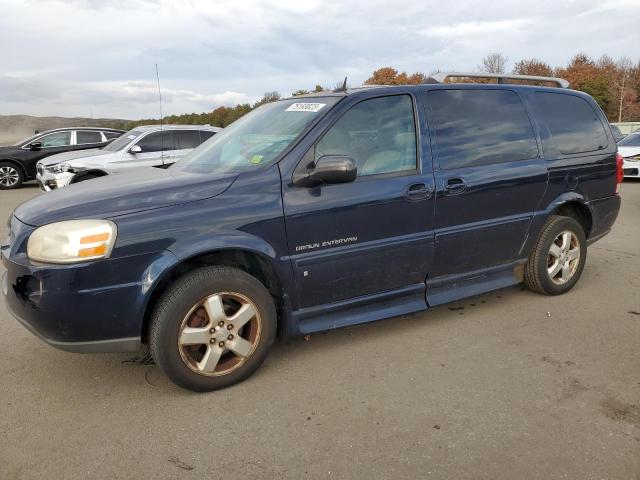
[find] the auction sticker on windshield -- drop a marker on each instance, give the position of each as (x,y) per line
(305,107)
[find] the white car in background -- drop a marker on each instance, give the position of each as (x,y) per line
(145,146)
(629,148)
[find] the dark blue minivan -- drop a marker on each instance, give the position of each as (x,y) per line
(317,212)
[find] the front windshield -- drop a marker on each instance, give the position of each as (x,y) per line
(123,140)
(632,140)
(256,138)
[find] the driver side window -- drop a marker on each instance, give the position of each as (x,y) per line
(58,139)
(378,134)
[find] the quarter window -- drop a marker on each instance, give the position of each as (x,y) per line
(480,127)
(84,136)
(58,139)
(379,134)
(574,124)
(191,138)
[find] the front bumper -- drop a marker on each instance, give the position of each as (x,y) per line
(631,168)
(132,344)
(93,306)
(48,181)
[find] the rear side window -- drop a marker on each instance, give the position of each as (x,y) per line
(157,142)
(111,135)
(574,124)
(84,136)
(480,127)
(191,138)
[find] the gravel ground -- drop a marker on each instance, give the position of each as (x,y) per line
(506,385)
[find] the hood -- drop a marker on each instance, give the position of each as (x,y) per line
(628,151)
(66,156)
(120,194)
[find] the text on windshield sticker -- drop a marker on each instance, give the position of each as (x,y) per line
(305,107)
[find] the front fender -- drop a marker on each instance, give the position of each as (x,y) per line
(237,240)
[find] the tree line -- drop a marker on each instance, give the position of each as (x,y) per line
(615,85)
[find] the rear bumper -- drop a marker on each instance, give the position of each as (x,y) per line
(604,213)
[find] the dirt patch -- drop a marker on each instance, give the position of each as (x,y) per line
(180,464)
(574,388)
(621,411)
(559,364)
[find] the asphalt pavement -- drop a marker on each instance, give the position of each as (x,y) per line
(507,385)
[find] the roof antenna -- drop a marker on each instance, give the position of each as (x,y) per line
(160,101)
(343,88)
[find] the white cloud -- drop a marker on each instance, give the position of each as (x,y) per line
(472,29)
(69,56)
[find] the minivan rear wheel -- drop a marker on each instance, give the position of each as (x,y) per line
(213,328)
(557,261)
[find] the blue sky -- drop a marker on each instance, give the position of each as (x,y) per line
(91,57)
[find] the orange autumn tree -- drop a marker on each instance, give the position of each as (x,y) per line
(390,76)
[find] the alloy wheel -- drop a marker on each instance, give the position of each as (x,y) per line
(9,176)
(219,334)
(563,258)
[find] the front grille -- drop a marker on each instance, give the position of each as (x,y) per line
(631,171)
(40,169)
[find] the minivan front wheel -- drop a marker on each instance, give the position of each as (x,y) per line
(557,261)
(212,328)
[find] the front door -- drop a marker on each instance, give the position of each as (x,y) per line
(373,235)
(490,179)
(154,148)
(51,144)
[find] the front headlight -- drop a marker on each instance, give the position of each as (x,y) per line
(59,168)
(72,241)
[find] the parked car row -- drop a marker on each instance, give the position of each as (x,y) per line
(313,213)
(146,146)
(18,162)
(60,157)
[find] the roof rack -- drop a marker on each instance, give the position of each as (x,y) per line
(441,77)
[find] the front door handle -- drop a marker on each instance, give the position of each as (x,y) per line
(418,191)
(454,186)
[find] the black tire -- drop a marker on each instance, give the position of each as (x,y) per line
(536,274)
(11,176)
(182,299)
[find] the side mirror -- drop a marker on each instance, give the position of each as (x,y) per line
(135,149)
(35,145)
(333,169)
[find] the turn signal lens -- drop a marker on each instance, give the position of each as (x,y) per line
(100,237)
(92,252)
(72,241)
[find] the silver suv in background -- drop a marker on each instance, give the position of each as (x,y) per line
(145,146)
